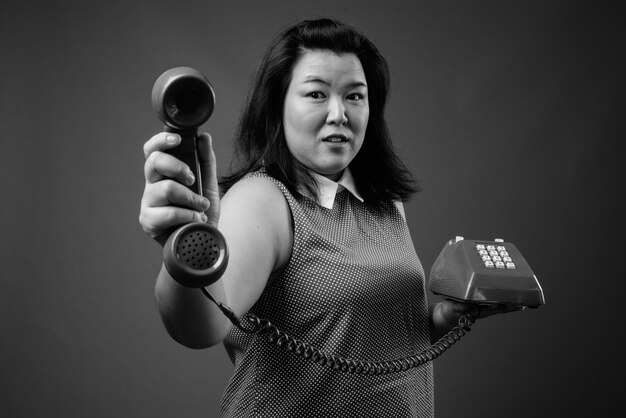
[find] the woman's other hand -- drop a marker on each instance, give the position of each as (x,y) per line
(455,309)
(445,314)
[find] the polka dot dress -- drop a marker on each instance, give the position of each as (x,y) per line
(353,287)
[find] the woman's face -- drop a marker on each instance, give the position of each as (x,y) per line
(326,111)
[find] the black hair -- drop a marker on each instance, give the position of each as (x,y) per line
(379,174)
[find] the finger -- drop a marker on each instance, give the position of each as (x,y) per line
(208,163)
(160,165)
(460,308)
(494,309)
(155,221)
(208,170)
(160,142)
(472,309)
(172,193)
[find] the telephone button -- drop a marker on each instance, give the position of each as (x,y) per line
(486,258)
(499,264)
(489,264)
(510,266)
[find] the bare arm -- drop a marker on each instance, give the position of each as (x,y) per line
(254,218)
(255,223)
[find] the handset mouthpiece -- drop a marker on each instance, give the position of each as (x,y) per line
(196,255)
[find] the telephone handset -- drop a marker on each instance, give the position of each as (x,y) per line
(196,254)
(485,272)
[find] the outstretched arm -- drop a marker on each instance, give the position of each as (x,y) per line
(254,218)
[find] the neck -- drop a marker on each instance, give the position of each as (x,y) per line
(334,176)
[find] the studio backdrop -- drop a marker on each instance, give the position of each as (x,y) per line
(510,114)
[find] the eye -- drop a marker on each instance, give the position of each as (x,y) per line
(355,97)
(317,95)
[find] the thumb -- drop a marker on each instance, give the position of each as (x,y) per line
(208,170)
(205,148)
(207,160)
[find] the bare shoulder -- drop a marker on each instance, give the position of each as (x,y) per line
(257,193)
(255,213)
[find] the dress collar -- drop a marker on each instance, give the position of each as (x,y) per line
(328,189)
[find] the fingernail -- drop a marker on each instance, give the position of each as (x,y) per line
(203,217)
(190,178)
(205,203)
(172,139)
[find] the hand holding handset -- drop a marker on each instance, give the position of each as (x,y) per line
(195,255)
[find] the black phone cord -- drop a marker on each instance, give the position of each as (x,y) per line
(252,324)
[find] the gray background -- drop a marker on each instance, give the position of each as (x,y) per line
(511,114)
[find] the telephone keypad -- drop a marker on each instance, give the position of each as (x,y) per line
(495,256)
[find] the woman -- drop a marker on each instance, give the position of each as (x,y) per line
(314,221)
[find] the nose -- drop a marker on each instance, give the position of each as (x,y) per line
(336,112)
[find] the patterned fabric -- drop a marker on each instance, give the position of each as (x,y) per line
(353,287)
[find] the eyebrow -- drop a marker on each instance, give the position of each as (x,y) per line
(316,79)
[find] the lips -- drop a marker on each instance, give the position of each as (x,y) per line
(336,138)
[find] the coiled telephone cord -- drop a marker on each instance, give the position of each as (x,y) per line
(256,325)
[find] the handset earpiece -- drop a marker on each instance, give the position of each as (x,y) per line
(183,99)
(196,254)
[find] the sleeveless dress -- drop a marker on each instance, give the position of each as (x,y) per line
(353,287)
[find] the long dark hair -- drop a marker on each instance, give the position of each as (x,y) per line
(379,174)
